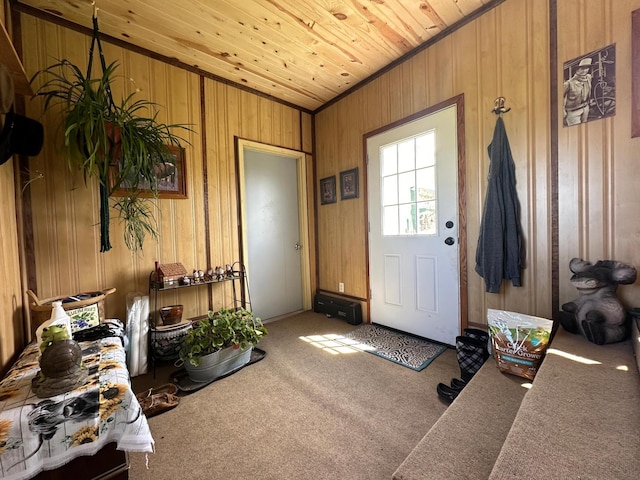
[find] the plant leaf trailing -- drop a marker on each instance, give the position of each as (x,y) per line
(138,221)
(221,329)
(103,139)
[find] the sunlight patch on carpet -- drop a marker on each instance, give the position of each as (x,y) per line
(406,350)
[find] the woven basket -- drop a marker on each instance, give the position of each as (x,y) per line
(41,309)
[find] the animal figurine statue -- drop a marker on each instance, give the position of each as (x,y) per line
(597,313)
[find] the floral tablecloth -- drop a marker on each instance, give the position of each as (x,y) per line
(42,434)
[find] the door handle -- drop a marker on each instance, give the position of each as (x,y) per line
(449,241)
(297,246)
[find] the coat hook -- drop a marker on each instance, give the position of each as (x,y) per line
(498,106)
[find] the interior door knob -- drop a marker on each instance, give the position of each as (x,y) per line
(449,241)
(297,246)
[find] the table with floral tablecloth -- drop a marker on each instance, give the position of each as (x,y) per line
(45,433)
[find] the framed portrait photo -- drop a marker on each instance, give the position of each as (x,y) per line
(589,87)
(328,190)
(349,184)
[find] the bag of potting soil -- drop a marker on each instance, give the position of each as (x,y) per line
(519,342)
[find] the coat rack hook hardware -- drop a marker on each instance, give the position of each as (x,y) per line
(498,106)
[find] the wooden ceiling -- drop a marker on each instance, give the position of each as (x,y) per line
(301,52)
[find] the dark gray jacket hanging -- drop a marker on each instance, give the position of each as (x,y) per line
(499,253)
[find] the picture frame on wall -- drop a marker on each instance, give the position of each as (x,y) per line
(589,87)
(349,184)
(173,184)
(328,190)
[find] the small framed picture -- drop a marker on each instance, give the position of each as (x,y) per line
(349,184)
(328,190)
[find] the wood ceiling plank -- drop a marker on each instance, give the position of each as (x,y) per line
(255,77)
(303,52)
(232,55)
(325,38)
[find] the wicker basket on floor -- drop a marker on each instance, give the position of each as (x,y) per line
(41,309)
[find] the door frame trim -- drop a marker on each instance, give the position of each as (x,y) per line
(303,215)
(458,101)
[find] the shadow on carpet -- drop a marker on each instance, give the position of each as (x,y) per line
(401,348)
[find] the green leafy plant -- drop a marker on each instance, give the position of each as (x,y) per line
(224,328)
(138,221)
(119,144)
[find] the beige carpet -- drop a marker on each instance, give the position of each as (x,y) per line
(303,412)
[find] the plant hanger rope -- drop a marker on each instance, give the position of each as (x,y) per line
(105,243)
(95,40)
(121,145)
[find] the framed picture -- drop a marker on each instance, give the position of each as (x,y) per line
(349,184)
(328,190)
(589,88)
(172,181)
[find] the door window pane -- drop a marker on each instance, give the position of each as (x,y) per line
(389,160)
(390,225)
(426,149)
(407,187)
(390,190)
(427,220)
(426,183)
(408,219)
(407,155)
(409,196)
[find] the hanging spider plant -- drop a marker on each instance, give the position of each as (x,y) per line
(138,221)
(117,144)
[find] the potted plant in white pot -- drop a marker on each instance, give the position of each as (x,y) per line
(220,343)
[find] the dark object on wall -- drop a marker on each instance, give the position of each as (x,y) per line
(349,184)
(20,136)
(171,178)
(589,88)
(328,190)
(597,313)
(351,312)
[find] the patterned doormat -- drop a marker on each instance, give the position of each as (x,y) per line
(404,349)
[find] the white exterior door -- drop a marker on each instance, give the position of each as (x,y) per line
(272,233)
(413,222)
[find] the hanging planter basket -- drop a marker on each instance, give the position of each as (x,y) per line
(110,142)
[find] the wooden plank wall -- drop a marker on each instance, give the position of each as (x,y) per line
(506,52)
(598,161)
(502,53)
(202,228)
(11,295)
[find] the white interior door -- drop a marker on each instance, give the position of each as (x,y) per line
(274,248)
(413,221)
